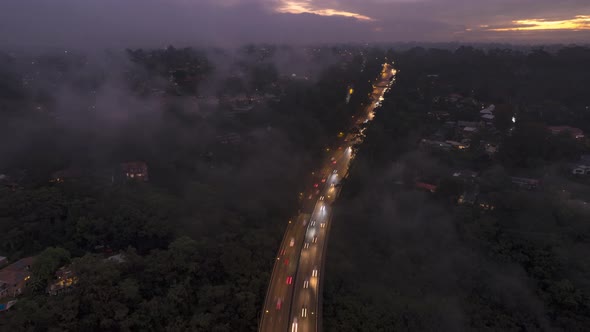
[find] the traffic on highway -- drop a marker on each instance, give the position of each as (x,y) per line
(293,300)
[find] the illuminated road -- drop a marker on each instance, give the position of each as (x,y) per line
(293,299)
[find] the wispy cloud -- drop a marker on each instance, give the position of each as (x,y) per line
(306,6)
(578,23)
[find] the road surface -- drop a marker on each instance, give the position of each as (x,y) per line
(293,299)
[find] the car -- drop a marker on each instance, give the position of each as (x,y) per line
(304,222)
(292,243)
(334,162)
(304,311)
(283,251)
(321,198)
(287,262)
(323,225)
(335,171)
(331,185)
(279,303)
(314,273)
(289,280)
(294,325)
(324,180)
(323,208)
(315,185)
(306,245)
(315,239)
(306,284)
(312,223)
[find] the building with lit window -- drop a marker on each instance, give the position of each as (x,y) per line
(15,277)
(134,171)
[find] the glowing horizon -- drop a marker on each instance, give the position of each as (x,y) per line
(304,6)
(579,22)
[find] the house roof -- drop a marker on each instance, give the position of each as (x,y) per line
(576,132)
(465,173)
(133,166)
(525,180)
(68,173)
(427,186)
(17,271)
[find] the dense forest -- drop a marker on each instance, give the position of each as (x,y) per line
(198,239)
(404,258)
(197,242)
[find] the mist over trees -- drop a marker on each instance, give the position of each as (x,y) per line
(197,240)
(404,258)
(230,138)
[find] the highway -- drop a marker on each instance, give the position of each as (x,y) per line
(293,299)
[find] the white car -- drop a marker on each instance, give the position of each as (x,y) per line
(312,223)
(321,198)
(306,245)
(315,239)
(335,171)
(292,243)
(294,325)
(304,311)
(323,225)
(306,284)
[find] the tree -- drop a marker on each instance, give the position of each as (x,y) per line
(46,264)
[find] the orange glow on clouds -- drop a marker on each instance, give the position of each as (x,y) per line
(580,22)
(305,6)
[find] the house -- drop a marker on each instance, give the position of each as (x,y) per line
(231,138)
(8,182)
(488,117)
(465,174)
(135,170)
(450,124)
(465,124)
(208,101)
(454,97)
(469,196)
(426,186)
(581,170)
(469,130)
(574,132)
(69,174)
(485,203)
(118,258)
(457,145)
(525,183)
(439,115)
(436,145)
(488,110)
(65,278)
(15,277)
(7,305)
(490,148)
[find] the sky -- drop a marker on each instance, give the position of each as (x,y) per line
(124,23)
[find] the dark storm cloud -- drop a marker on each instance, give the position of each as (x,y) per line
(112,23)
